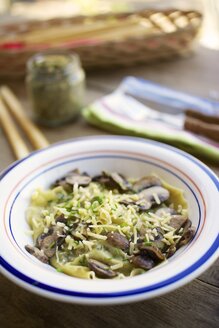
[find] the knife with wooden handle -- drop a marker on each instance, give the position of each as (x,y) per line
(212,119)
(202,124)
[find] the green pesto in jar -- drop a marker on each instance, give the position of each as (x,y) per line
(56,84)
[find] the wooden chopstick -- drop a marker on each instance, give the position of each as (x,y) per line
(35,136)
(17,144)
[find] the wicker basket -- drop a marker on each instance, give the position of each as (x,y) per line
(130,51)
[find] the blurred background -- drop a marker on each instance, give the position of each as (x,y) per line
(18,10)
(173,43)
(22,33)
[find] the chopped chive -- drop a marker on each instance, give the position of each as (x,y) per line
(148,243)
(52,245)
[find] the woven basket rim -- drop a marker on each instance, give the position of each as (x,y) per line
(189,27)
(76,19)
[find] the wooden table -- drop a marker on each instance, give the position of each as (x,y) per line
(194,305)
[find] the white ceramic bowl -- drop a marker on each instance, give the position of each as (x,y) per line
(132,157)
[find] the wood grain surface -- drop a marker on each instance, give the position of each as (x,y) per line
(194,305)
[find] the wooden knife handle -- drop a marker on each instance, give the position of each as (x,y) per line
(203,117)
(197,126)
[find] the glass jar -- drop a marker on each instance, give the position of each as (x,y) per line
(56,85)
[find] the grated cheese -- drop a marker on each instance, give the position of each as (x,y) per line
(156,198)
(94,235)
(91,212)
(116,266)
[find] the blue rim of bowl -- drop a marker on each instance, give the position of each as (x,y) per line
(195,266)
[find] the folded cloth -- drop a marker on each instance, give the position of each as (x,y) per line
(125,112)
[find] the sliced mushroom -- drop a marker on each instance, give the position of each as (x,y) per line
(61,218)
(142,261)
(39,254)
(62,183)
(186,237)
(127,202)
(165,210)
(79,230)
(48,245)
(159,244)
(101,270)
(146,182)
(121,181)
(103,179)
(139,240)
(117,240)
(171,251)
(158,240)
(151,196)
(151,193)
(177,221)
(39,241)
(113,181)
(152,251)
(48,241)
(75,177)
(143,205)
(106,180)
(187,225)
(147,198)
(73,227)
(142,231)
